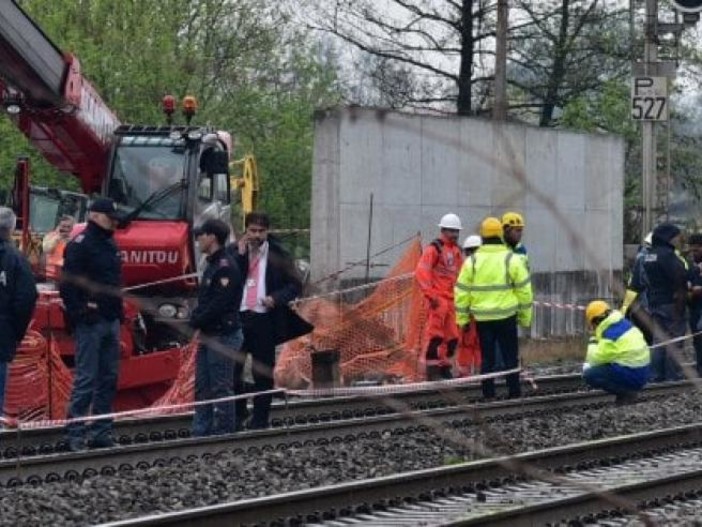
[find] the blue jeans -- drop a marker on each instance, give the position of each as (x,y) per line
(615,379)
(3,382)
(95,382)
(214,379)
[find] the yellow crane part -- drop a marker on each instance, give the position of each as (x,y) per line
(245,179)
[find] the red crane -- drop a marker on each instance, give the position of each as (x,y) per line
(166,178)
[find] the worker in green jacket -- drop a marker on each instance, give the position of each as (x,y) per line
(494,287)
(618,357)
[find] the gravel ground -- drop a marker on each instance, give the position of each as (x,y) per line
(230,477)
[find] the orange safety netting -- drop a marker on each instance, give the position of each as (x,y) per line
(182,391)
(379,337)
(39,383)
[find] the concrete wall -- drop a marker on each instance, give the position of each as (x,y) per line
(569,187)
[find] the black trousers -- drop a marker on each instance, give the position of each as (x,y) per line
(259,341)
(502,333)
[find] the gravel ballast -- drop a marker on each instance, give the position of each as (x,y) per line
(228,477)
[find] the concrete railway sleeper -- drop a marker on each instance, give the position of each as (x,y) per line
(42,441)
(70,467)
(610,477)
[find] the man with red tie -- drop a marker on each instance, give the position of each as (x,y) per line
(270,284)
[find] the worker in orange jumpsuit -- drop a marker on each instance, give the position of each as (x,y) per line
(53,246)
(436,274)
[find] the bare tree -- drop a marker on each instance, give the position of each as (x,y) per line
(437,41)
(571,48)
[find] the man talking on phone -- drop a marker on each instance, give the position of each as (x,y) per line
(271,283)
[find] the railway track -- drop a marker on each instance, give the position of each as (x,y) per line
(35,470)
(29,442)
(544,487)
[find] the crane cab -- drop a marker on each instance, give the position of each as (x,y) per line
(166,179)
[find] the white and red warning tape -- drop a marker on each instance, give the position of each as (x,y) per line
(558,305)
(387,389)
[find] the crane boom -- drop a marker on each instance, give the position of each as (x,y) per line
(55,107)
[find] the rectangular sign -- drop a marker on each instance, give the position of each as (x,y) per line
(649,98)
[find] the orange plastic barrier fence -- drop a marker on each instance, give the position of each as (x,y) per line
(39,383)
(182,390)
(380,337)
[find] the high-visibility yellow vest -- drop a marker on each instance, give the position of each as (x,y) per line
(493,284)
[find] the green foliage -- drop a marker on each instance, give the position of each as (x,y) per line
(606,110)
(252,71)
(566,50)
(13,145)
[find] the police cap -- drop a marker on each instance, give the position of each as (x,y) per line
(106,206)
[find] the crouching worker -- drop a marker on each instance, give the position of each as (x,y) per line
(618,357)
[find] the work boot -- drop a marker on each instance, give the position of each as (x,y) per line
(103,441)
(76,445)
(255,425)
(240,425)
(433,373)
(626,398)
(445,372)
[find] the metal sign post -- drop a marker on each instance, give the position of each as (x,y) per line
(649,94)
(648,127)
(649,98)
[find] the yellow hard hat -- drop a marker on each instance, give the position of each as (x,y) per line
(512,219)
(596,309)
(491,228)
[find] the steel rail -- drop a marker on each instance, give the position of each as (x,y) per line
(588,502)
(310,506)
(74,466)
(47,440)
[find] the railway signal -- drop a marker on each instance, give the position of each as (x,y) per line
(688,6)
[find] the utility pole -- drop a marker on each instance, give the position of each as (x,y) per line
(499,112)
(648,130)
(650,97)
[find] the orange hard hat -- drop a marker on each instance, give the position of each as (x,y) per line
(491,228)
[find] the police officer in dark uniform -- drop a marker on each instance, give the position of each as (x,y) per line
(18,296)
(666,291)
(90,282)
(216,317)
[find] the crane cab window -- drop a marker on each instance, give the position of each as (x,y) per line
(149,171)
(221,187)
(204,189)
(214,177)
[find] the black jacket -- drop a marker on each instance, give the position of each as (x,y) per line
(666,276)
(284,285)
(92,272)
(18,296)
(219,296)
(694,277)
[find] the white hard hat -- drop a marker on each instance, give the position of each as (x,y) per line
(472,241)
(450,221)
(648,240)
